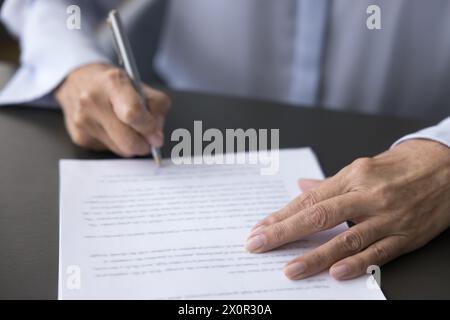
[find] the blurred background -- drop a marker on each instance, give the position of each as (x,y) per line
(9,56)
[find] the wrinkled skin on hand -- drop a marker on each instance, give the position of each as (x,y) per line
(103,111)
(398,200)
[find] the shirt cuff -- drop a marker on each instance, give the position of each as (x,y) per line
(33,84)
(439,133)
(49,50)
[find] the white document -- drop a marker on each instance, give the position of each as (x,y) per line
(131,230)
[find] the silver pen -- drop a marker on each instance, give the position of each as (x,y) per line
(126,58)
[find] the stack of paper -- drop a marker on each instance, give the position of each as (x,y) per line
(131,230)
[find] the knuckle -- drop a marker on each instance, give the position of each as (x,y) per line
(362,166)
(318,217)
(81,113)
(131,114)
(85,99)
(359,263)
(279,232)
(272,219)
(296,204)
(308,199)
(381,254)
(352,241)
(383,194)
(115,75)
(320,260)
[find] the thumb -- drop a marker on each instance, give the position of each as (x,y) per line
(308,184)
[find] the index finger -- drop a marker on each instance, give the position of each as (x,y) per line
(130,109)
(322,216)
(328,188)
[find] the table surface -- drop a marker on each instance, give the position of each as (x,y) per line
(32,141)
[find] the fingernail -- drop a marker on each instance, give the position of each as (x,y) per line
(156,140)
(294,269)
(340,271)
(255,231)
(256,242)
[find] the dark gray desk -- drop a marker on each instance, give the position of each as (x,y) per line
(32,141)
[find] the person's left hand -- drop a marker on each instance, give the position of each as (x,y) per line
(398,200)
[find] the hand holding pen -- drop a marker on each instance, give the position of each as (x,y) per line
(126,58)
(102,111)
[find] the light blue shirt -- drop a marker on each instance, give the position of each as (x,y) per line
(305,52)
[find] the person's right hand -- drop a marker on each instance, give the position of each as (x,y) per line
(102,110)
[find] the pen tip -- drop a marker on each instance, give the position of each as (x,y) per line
(156,156)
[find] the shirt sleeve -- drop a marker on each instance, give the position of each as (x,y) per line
(439,133)
(49,49)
